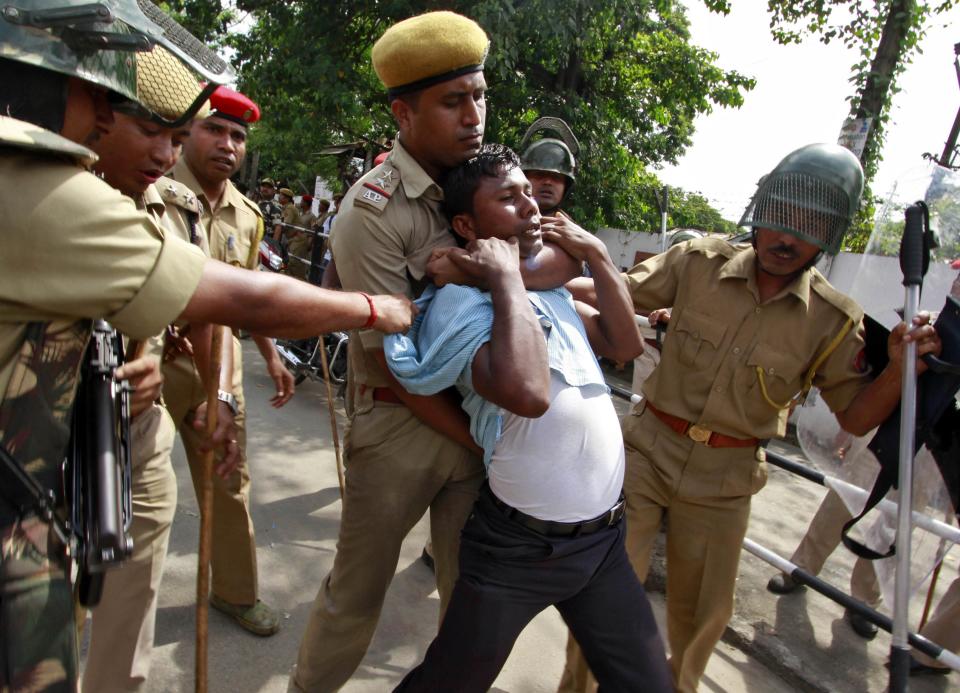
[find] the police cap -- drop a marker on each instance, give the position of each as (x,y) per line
(428,49)
(232,105)
(286,191)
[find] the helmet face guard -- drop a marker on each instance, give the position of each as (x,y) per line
(99,43)
(812,194)
(552,156)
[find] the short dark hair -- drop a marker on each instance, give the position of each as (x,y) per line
(462,182)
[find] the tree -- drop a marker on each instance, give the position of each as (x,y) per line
(887,34)
(622,72)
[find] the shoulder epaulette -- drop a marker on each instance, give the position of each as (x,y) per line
(377,187)
(712,247)
(24,135)
(250,204)
(839,300)
(176,193)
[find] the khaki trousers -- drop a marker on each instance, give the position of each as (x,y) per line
(944,627)
(396,469)
(121,637)
(233,561)
(823,537)
(704,495)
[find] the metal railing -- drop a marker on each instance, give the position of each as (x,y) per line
(940,529)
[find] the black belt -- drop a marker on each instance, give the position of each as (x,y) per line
(551,528)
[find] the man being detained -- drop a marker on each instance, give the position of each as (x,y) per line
(548,526)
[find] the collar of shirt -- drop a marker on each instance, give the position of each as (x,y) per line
(182,173)
(415,180)
(743,265)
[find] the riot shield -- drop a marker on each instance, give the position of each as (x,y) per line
(874,280)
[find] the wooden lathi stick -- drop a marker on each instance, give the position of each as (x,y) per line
(212,385)
(333,417)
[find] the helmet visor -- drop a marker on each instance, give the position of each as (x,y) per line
(805,206)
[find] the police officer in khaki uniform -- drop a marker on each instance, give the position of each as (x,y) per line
(405,454)
(213,152)
(136,149)
(301,242)
(750,329)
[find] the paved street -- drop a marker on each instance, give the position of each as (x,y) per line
(799,642)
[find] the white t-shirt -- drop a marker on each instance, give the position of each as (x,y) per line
(567,465)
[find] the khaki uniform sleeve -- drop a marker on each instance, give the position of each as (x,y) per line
(841,377)
(86,251)
(654,282)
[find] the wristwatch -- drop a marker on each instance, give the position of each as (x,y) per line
(228,399)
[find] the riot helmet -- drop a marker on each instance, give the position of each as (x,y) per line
(100,42)
(682,235)
(813,194)
(550,155)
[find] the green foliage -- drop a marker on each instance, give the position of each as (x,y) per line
(886,34)
(208,20)
(622,73)
(693,211)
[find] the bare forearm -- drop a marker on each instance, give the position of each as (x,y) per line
(873,405)
(271,304)
(512,370)
(267,349)
(619,337)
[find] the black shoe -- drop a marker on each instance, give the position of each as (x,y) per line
(862,626)
(781,583)
(918,669)
(428,560)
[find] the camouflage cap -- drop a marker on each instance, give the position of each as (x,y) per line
(167,92)
(98,42)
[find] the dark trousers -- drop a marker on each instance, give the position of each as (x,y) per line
(509,574)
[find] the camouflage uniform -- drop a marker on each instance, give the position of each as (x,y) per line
(77,229)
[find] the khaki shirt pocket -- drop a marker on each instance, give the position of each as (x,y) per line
(236,250)
(782,376)
(698,339)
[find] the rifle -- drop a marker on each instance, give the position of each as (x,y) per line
(98,467)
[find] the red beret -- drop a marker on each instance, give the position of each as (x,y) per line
(232,105)
(307,198)
(380,158)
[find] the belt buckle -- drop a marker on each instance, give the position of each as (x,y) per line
(699,434)
(612,513)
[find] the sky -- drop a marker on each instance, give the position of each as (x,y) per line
(799,99)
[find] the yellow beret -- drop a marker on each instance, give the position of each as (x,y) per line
(428,49)
(165,86)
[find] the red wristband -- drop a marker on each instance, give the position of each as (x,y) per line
(373,310)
